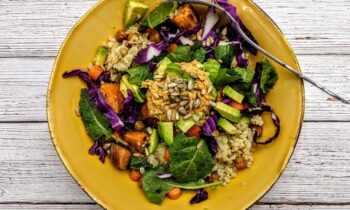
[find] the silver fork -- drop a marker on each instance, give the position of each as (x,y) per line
(246,38)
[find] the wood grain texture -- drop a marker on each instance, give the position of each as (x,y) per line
(23,91)
(319,168)
(37,28)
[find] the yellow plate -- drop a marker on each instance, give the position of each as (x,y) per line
(113,189)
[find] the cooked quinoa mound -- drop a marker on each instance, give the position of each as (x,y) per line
(231,148)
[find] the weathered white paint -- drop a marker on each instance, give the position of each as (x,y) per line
(31,174)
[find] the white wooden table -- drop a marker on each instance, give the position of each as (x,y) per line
(33,177)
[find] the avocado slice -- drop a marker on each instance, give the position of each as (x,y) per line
(232,94)
(185,125)
(246,120)
(101,55)
(134,10)
(226,126)
(153,141)
(166,132)
(139,96)
(162,66)
(228,112)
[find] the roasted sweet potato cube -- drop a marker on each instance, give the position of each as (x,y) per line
(136,140)
(185,18)
(113,96)
(120,156)
(144,113)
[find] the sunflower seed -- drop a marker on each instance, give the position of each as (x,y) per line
(179,81)
(155,96)
(197,103)
(107,146)
(210,89)
(198,94)
(184,94)
(177,116)
(168,80)
(190,105)
(212,103)
(187,116)
(77,112)
(160,86)
(181,86)
(171,85)
(182,110)
(199,37)
(190,85)
(193,75)
(149,130)
(184,97)
(165,98)
(183,103)
(196,118)
(174,94)
(172,106)
(177,99)
(169,114)
(176,89)
(204,91)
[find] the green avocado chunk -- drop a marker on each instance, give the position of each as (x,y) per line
(185,125)
(232,94)
(139,96)
(226,126)
(134,10)
(228,112)
(101,55)
(166,132)
(154,140)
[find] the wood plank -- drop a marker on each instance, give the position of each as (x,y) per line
(317,173)
(311,30)
(23,85)
(96,207)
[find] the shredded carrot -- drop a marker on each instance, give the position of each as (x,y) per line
(195,131)
(95,72)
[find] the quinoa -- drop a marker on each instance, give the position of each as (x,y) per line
(257,120)
(121,54)
(231,147)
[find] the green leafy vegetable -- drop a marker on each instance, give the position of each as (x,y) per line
(268,76)
(95,123)
(138,162)
(181,54)
(139,74)
(199,55)
(159,14)
(190,159)
(155,188)
(212,66)
(251,97)
(244,75)
(225,54)
(223,78)
(197,44)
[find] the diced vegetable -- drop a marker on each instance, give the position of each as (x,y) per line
(226,126)
(138,95)
(134,10)
(228,112)
(136,139)
(101,55)
(153,142)
(135,175)
(113,96)
(174,193)
(233,94)
(185,125)
(239,106)
(159,14)
(185,18)
(120,156)
(194,131)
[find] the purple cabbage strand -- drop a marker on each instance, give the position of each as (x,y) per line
(97,149)
(201,196)
(82,73)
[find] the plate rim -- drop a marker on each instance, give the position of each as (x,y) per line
(67,165)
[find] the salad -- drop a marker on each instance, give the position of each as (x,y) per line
(172,99)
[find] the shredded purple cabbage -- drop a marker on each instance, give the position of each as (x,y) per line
(276,121)
(131,110)
(233,11)
(82,73)
(97,99)
(210,125)
(97,149)
(150,52)
(104,77)
(260,97)
(210,21)
(226,100)
(241,59)
(164,176)
(201,196)
(152,66)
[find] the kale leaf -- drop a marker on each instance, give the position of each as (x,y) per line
(190,159)
(156,188)
(159,14)
(138,162)
(139,74)
(268,76)
(96,124)
(181,54)
(244,75)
